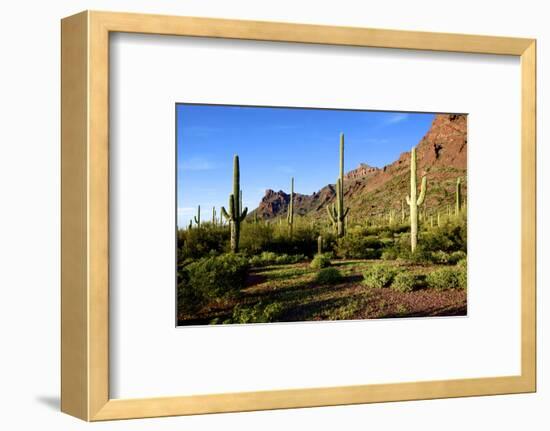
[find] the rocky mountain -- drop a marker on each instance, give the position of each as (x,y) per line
(372,192)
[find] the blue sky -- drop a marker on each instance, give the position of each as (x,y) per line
(275,144)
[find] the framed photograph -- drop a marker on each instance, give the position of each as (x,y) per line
(264,215)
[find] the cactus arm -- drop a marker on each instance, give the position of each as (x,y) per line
(330,215)
(244,213)
(224,213)
(408,199)
(240,208)
(422,196)
(346,212)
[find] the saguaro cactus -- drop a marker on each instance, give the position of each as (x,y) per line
(198,217)
(337,213)
(213,216)
(391,217)
(235,215)
(458,197)
(402,211)
(290,214)
(190,224)
(414,202)
(319,244)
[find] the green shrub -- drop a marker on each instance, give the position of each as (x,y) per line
(218,277)
(258,313)
(197,243)
(285,259)
(189,299)
(462,268)
(320,261)
(406,281)
(462,277)
(256,237)
(303,241)
(379,275)
(456,256)
(357,246)
(401,249)
(389,254)
(440,256)
(267,258)
(328,276)
(449,237)
(447,278)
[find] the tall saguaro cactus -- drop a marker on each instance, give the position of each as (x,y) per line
(337,213)
(414,201)
(198,217)
(458,197)
(290,215)
(391,217)
(213,216)
(235,215)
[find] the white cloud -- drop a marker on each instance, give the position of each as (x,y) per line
(398,117)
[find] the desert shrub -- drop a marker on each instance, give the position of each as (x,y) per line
(320,261)
(387,242)
(285,259)
(197,243)
(189,299)
(255,237)
(357,246)
(449,237)
(379,275)
(400,248)
(217,277)
(389,254)
(462,278)
(258,313)
(440,256)
(446,278)
(406,281)
(303,241)
(269,258)
(402,251)
(462,268)
(456,256)
(328,276)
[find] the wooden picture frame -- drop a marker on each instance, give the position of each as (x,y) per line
(85,220)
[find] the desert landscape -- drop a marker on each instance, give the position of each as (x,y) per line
(378,242)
